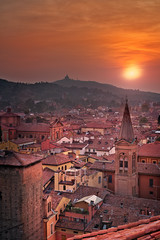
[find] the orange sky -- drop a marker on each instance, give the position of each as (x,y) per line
(43,40)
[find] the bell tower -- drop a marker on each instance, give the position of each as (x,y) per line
(126,178)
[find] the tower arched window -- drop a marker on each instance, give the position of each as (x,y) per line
(133,162)
(123,163)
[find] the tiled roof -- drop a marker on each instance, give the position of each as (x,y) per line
(18,159)
(84,191)
(146,228)
(75,145)
(148,168)
(103,166)
(150,150)
(33,127)
(47,175)
(22,141)
(56,159)
(97,125)
(56,122)
(9,114)
(64,223)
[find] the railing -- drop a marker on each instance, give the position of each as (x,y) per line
(76,210)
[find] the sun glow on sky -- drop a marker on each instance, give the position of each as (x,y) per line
(132,72)
(91,40)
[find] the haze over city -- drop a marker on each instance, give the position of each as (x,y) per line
(115,42)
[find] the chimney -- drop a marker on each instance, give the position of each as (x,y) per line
(101,222)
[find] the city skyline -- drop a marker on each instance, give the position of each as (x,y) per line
(88,40)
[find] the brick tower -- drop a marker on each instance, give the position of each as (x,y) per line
(20,197)
(126,178)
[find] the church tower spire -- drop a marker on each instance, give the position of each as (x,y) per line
(126,180)
(126,132)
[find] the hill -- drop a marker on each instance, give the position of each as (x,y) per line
(67,93)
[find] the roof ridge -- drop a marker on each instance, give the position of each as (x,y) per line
(152,220)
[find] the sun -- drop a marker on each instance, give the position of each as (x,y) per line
(132,72)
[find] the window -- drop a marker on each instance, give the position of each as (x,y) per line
(64,187)
(57,135)
(151,182)
(151,193)
(75,232)
(143,161)
(51,228)
(65,167)
(133,162)
(42,137)
(126,164)
(0,195)
(31,136)
(49,206)
(99,179)
(110,178)
(62,167)
(123,163)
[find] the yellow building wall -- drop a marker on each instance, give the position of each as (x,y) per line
(93,180)
(100,130)
(91,160)
(62,205)
(4,145)
(58,167)
(47,228)
(9,146)
(53,220)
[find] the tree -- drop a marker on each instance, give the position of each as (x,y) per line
(145,107)
(143,120)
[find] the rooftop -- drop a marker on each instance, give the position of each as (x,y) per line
(18,159)
(142,229)
(56,159)
(150,150)
(92,198)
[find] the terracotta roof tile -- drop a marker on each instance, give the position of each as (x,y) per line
(141,229)
(83,191)
(19,160)
(47,175)
(150,150)
(33,127)
(148,168)
(56,159)
(103,166)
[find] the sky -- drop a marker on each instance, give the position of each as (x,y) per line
(90,40)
